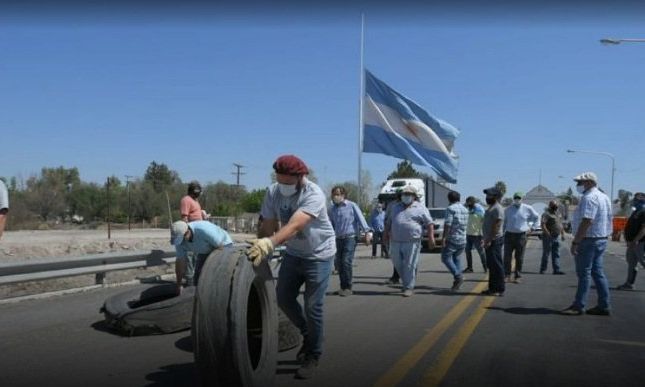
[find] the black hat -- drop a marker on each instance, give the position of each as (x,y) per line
(493,191)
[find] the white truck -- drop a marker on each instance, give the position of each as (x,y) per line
(432,194)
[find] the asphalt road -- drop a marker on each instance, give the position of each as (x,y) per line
(373,338)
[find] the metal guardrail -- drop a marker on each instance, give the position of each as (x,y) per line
(97,264)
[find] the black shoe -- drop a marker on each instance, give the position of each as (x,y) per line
(456,284)
(543,270)
(306,371)
(468,270)
(597,311)
(392,281)
(489,292)
(558,272)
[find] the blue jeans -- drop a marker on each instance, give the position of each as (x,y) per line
(589,264)
(476,242)
(345,248)
(314,274)
(405,256)
(450,256)
(550,246)
(495,266)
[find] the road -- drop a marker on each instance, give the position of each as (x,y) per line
(373,338)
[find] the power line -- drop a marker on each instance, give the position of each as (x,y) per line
(238,172)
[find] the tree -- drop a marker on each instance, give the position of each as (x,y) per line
(160,176)
(404,169)
(252,201)
(501,186)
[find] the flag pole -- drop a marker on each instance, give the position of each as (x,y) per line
(360,118)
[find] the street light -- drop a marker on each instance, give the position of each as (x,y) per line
(608,41)
(613,168)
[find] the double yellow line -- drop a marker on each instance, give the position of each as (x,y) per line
(435,374)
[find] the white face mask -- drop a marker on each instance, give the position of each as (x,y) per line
(337,199)
(407,199)
(580,188)
(287,189)
(517,202)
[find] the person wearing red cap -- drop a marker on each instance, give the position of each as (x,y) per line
(300,207)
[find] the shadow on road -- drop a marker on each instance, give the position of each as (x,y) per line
(525,311)
(185,344)
(102,326)
(174,375)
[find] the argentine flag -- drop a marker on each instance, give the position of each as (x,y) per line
(396,126)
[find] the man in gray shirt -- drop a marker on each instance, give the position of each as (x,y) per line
(493,241)
(4,206)
(299,206)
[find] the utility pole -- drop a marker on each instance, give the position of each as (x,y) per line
(127,185)
(238,172)
(108,205)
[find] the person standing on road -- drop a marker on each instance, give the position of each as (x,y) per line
(377,222)
(635,238)
(4,206)
(405,229)
(516,226)
(551,230)
(474,234)
(300,206)
(197,238)
(493,241)
(347,220)
(454,236)
(591,228)
(395,278)
(190,211)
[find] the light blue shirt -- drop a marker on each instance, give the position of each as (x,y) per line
(206,238)
(406,223)
(317,240)
(596,206)
(377,220)
(517,218)
(457,219)
(4,196)
(347,219)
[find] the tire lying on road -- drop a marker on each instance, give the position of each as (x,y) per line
(149,309)
(235,321)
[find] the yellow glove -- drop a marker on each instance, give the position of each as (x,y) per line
(259,250)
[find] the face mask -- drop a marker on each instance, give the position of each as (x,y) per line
(407,199)
(580,188)
(337,199)
(638,204)
(517,202)
(553,209)
(490,201)
(287,189)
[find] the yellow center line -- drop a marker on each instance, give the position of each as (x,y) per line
(436,373)
(398,371)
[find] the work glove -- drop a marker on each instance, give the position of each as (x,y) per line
(260,249)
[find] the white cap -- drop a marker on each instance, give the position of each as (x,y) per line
(586,176)
(409,189)
(177,231)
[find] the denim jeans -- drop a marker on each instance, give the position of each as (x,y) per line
(345,248)
(450,256)
(476,242)
(377,239)
(589,264)
(550,246)
(495,266)
(200,260)
(405,257)
(189,275)
(514,242)
(314,274)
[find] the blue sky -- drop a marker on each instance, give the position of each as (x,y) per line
(203,91)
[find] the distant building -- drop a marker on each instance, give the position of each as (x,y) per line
(539,194)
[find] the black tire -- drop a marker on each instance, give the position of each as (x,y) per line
(149,309)
(235,321)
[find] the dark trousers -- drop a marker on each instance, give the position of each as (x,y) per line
(377,239)
(475,241)
(514,242)
(345,248)
(495,266)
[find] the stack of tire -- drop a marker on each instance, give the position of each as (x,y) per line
(237,329)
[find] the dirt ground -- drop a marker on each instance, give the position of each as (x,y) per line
(24,246)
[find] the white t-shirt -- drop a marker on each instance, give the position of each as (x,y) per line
(4,196)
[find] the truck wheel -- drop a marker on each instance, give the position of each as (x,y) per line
(149,309)
(235,321)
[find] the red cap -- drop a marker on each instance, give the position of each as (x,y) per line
(290,165)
